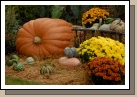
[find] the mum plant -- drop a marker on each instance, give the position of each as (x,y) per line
(93,15)
(102,47)
(105,71)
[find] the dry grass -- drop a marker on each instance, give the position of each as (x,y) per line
(62,75)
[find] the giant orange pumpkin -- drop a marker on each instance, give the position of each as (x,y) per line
(44,37)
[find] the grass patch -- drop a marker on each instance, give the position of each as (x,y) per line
(17,81)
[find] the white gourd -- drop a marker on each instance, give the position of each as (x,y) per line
(105,27)
(95,26)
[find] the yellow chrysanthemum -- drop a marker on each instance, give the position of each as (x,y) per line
(102,47)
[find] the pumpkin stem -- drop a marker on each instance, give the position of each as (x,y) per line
(37,40)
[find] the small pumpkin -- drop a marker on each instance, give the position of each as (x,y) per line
(118,25)
(44,37)
(11,61)
(46,69)
(75,53)
(69,61)
(70,52)
(18,67)
(14,57)
(29,61)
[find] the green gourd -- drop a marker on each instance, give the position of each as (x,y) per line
(18,67)
(10,62)
(14,57)
(46,69)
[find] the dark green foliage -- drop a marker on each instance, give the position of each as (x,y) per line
(88,7)
(57,11)
(45,11)
(11,21)
(17,15)
(72,14)
(30,12)
(27,12)
(10,43)
(11,28)
(76,9)
(117,11)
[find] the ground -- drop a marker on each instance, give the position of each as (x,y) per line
(62,75)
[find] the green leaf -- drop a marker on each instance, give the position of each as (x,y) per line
(76,10)
(42,11)
(57,11)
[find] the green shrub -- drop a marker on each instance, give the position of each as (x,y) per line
(30,12)
(11,28)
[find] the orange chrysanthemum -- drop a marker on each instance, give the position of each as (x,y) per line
(94,14)
(106,68)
